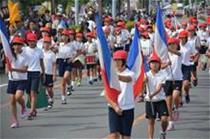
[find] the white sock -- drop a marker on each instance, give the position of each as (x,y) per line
(63,97)
(72,83)
(91,78)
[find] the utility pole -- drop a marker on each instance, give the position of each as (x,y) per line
(113,9)
(76,12)
(128,8)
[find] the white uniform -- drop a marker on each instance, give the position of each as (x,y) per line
(203,35)
(187,50)
(126,97)
(79,46)
(176,64)
(49,59)
(34,55)
(146,46)
(20,62)
(153,82)
(65,51)
(40,43)
(90,47)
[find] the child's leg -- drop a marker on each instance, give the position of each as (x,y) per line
(50,92)
(19,98)
(176,100)
(13,107)
(114,136)
(151,128)
(164,123)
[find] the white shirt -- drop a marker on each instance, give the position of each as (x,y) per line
(187,50)
(153,82)
(66,51)
(49,59)
(40,43)
(79,45)
(194,42)
(175,68)
(34,55)
(91,25)
(90,47)
(126,97)
(20,62)
(146,47)
(125,36)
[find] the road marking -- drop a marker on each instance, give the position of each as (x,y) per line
(3,85)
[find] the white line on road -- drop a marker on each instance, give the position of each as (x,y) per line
(3,85)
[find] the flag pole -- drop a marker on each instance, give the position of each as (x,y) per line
(146,83)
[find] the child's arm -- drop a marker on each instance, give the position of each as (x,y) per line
(125,78)
(21,70)
(54,71)
(158,88)
(113,105)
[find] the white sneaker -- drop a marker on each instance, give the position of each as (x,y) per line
(63,101)
(14,125)
(170,126)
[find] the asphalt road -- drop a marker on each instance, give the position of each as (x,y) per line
(85,116)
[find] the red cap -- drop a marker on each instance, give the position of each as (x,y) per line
(90,34)
(31,37)
(18,40)
(143,21)
(202,25)
(45,29)
(195,21)
(47,39)
(79,35)
(120,54)
(71,32)
(191,28)
(121,24)
(173,41)
(154,57)
(183,34)
(65,32)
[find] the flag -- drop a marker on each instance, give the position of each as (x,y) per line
(135,63)
(14,12)
(160,38)
(108,69)
(6,43)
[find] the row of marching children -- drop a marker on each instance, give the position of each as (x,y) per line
(166,82)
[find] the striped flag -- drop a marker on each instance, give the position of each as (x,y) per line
(135,63)
(6,43)
(108,69)
(160,38)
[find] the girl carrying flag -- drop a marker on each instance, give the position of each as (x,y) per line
(121,114)
(17,80)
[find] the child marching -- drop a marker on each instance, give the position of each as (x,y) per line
(50,69)
(17,80)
